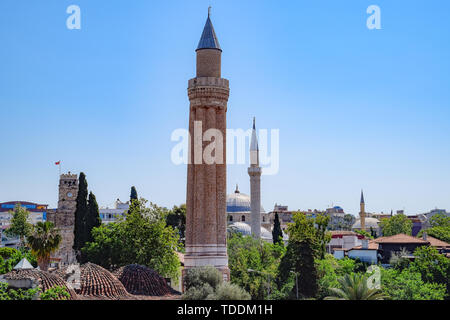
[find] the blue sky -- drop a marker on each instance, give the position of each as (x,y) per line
(356,108)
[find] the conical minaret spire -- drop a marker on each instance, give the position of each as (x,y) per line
(254,148)
(362,213)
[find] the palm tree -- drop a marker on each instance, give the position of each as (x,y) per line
(43,241)
(354,287)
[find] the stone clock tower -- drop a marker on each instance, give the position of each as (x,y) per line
(206,234)
(64,217)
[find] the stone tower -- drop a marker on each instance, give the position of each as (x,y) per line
(64,217)
(206,182)
(254,171)
(362,213)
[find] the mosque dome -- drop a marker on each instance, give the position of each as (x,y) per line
(245,229)
(141,280)
(370,223)
(239,202)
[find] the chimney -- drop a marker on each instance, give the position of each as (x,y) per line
(425,236)
(365,244)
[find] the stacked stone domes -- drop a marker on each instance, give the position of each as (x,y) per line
(141,280)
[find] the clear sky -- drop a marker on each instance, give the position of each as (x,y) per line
(356,108)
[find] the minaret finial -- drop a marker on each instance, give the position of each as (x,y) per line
(237,189)
(209,11)
(254,123)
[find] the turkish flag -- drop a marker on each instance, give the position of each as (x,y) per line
(58,163)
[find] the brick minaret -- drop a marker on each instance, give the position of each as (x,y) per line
(362,213)
(254,171)
(206,183)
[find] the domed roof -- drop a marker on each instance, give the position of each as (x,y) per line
(45,279)
(239,202)
(98,282)
(245,229)
(370,223)
(141,280)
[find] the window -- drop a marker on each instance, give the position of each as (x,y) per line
(243,218)
(231,218)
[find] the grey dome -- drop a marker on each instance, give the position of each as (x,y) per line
(369,222)
(239,202)
(245,229)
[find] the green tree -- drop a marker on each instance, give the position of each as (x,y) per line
(7,293)
(408,285)
(432,266)
(20,227)
(277,233)
(7,264)
(177,220)
(133,194)
(93,217)
(439,228)
(305,245)
(44,240)
(323,237)
(246,253)
(354,287)
(396,225)
(80,215)
(205,283)
(142,238)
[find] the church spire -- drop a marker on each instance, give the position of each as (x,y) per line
(209,39)
(362,196)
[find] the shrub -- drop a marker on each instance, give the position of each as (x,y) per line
(6,253)
(197,277)
(199,293)
(55,293)
(229,291)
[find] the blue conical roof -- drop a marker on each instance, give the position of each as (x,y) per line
(209,39)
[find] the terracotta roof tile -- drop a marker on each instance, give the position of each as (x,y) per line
(437,243)
(401,238)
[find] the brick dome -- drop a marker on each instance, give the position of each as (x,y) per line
(141,280)
(97,282)
(46,280)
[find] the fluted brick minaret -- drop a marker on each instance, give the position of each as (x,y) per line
(206,182)
(254,171)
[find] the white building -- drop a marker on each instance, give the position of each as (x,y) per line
(112,215)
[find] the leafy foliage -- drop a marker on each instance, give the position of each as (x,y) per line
(20,227)
(142,238)
(19,294)
(6,265)
(408,285)
(44,240)
(206,283)
(55,293)
(439,228)
(177,220)
(354,287)
(395,225)
(6,252)
(244,253)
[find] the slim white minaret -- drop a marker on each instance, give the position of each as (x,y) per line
(254,171)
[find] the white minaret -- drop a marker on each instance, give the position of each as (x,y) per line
(254,171)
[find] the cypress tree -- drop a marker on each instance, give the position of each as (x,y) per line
(93,218)
(133,194)
(80,215)
(277,233)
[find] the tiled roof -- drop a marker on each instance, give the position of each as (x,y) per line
(437,243)
(401,238)
(372,246)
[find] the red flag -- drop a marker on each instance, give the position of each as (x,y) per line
(58,163)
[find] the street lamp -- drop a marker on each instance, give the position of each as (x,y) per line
(268,279)
(296,281)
